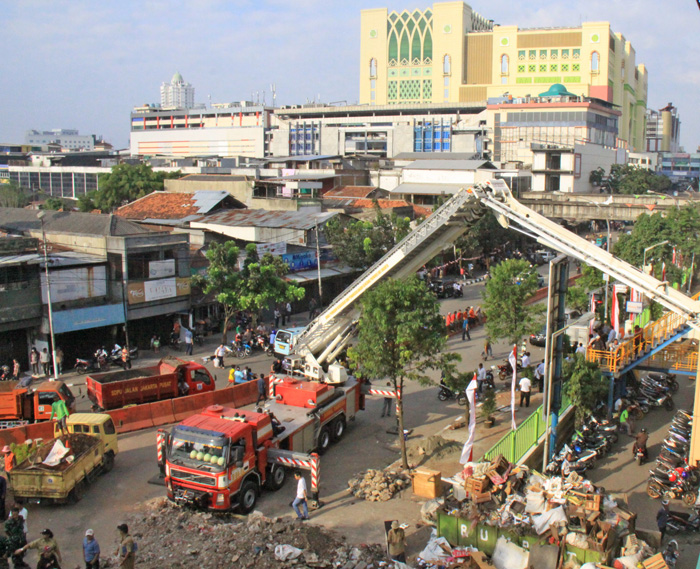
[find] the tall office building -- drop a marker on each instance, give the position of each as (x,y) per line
(449,53)
(663,129)
(177,94)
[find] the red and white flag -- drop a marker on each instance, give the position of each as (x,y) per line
(663,271)
(468,448)
(513,359)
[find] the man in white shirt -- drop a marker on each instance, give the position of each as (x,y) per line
(480,377)
(300,497)
(581,349)
(526,360)
(539,375)
(220,353)
(525,386)
(612,335)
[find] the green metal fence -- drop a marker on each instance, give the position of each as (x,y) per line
(515,444)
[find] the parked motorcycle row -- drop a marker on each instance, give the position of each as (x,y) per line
(672,477)
(101,361)
(592,441)
(445,393)
(655,389)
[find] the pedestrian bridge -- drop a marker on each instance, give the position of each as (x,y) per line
(586,207)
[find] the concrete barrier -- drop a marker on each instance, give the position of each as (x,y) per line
(162,412)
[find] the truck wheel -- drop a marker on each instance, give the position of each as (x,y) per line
(247,497)
(276,475)
(77,493)
(338,428)
(107,462)
(324,440)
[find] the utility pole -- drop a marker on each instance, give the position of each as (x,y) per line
(41,215)
(318,269)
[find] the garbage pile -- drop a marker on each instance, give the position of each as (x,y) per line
(56,454)
(171,536)
(378,485)
(521,518)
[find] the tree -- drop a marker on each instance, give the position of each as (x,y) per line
(125,183)
(359,244)
(632,180)
(12,195)
(511,284)
(585,387)
(401,336)
(486,235)
(55,204)
(256,286)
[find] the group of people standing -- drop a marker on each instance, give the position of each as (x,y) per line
(40,361)
(464,320)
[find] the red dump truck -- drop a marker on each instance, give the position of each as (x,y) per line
(172,377)
(222,458)
(31,403)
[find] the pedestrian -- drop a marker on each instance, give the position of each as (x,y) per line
(232,375)
(539,375)
(48,559)
(219,355)
(525,387)
(91,550)
(45,360)
(581,349)
(16,370)
(626,422)
(313,305)
(188,343)
(396,540)
(3,495)
(488,351)
(276,366)
(59,409)
(126,358)
(34,361)
(59,360)
(238,376)
(278,315)
(480,377)
(5,552)
(288,310)
(262,391)
(386,408)
(465,329)
(300,497)
(24,515)
(14,528)
(525,361)
(156,344)
(662,519)
(612,336)
(127,548)
(638,339)
(153,341)
(46,540)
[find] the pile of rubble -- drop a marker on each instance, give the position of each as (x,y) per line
(170,536)
(378,485)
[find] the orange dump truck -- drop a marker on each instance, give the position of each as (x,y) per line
(172,377)
(32,403)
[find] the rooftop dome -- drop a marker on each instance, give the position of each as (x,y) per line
(558,90)
(177,78)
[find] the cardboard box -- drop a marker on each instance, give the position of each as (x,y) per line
(427,483)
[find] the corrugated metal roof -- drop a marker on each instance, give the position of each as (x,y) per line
(435,156)
(214,178)
(451,165)
(206,200)
(22,220)
(264,218)
(350,192)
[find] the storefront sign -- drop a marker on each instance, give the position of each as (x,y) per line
(86,318)
(634,307)
(275,249)
(300,261)
(161,269)
(149,291)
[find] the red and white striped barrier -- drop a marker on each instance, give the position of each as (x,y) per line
(273,380)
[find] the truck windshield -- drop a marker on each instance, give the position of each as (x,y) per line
(199,449)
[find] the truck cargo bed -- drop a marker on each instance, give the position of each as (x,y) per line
(124,375)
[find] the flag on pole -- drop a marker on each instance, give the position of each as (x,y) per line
(469,445)
(513,359)
(674,257)
(663,271)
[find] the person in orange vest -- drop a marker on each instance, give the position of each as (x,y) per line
(447,321)
(126,360)
(472,316)
(10,459)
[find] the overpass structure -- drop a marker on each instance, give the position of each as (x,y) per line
(586,207)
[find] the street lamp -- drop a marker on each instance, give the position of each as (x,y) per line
(647,249)
(41,215)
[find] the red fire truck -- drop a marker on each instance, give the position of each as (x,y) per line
(222,458)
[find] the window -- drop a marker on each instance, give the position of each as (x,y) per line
(521,55)
(577,53)
(564,67)
(565,54)
(447,65)
(543,54)
(533,54)
(200,376)
(504,65)
(553,67)
(521,69)
(543,68)
(373,67)
(554,54)
(595,62)
(575,67)
(532,68)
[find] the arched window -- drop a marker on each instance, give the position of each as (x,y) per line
(595,62)
(373,67)
(447,65)
(504,65)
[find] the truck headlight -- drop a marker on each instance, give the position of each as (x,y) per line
(220,498)
(222,481)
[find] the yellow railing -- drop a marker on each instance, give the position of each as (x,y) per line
(632,347)
(683,357)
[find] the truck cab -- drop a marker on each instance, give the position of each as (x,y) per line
(286,339)
(44,395)
(98,425)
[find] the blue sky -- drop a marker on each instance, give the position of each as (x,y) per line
(85,64)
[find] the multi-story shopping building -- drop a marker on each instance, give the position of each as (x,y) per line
(448,53)
(177,94)
(663,130)
(68,139)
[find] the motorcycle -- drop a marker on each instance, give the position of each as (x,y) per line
(671,554)
(115,357)
(240,349)
(263,342)
(446,393)
(506,370)
(584,459)
(641,454)
(670,486)
(85,366)
(680,522)
(667,379)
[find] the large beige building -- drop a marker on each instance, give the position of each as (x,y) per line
(449,53)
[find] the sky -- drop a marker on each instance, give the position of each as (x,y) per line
(84,64)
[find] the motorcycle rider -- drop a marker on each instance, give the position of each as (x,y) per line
(641,443)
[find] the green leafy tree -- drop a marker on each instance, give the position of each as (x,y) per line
(590,279)
(511,284)
(486,235)
(585,387)
(401,336)
(577,298)
(124,184)
(12,195)
(359,244)
(257,285)
(631,180)
(55,204)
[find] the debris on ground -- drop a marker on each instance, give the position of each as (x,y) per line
(378,485)
(179,538)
